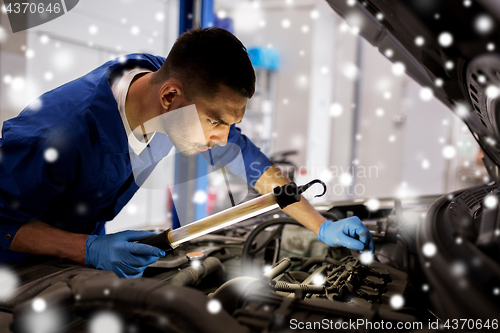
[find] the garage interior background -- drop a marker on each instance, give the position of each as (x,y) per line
(342,105)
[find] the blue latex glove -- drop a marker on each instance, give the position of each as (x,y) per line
(117,253)
(346,232)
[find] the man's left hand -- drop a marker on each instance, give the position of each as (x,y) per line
(349,232)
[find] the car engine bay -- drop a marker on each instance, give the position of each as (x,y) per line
(271,274)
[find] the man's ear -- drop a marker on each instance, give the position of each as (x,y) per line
(171,95)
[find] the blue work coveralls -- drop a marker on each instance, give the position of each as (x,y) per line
(91,179)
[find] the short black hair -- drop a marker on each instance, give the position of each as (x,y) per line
(205,59)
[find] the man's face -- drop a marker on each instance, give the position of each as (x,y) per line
(215,116)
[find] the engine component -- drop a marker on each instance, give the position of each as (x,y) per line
(193,274)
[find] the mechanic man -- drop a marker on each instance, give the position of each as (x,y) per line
(64,161)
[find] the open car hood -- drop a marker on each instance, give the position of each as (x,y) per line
(466,68)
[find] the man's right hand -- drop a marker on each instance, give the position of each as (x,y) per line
(118,253)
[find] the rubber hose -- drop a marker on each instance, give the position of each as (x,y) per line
(193,275)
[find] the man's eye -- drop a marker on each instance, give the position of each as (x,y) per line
(213,122)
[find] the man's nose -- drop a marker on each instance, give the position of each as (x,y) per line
(220,136)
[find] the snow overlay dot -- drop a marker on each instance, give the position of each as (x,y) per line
(132,209)
(492,92)
(200,197)
(51,155)
(372,205)
(39,305)
(490,201)
(458,269)
(336,110)
(445,39)
(286,23)
(48,76)
(419,41)
(8,283)
(135,30)
(350,71)
(160,16)
(345,179)
(397,301)
(106,322)
(318,279)
(426,94)
(426,164)
(429,249)
(398,68)
(214,306)
(483,24)
(366,258)
(93,29)
(449,152)
(314,14)
(44,39)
